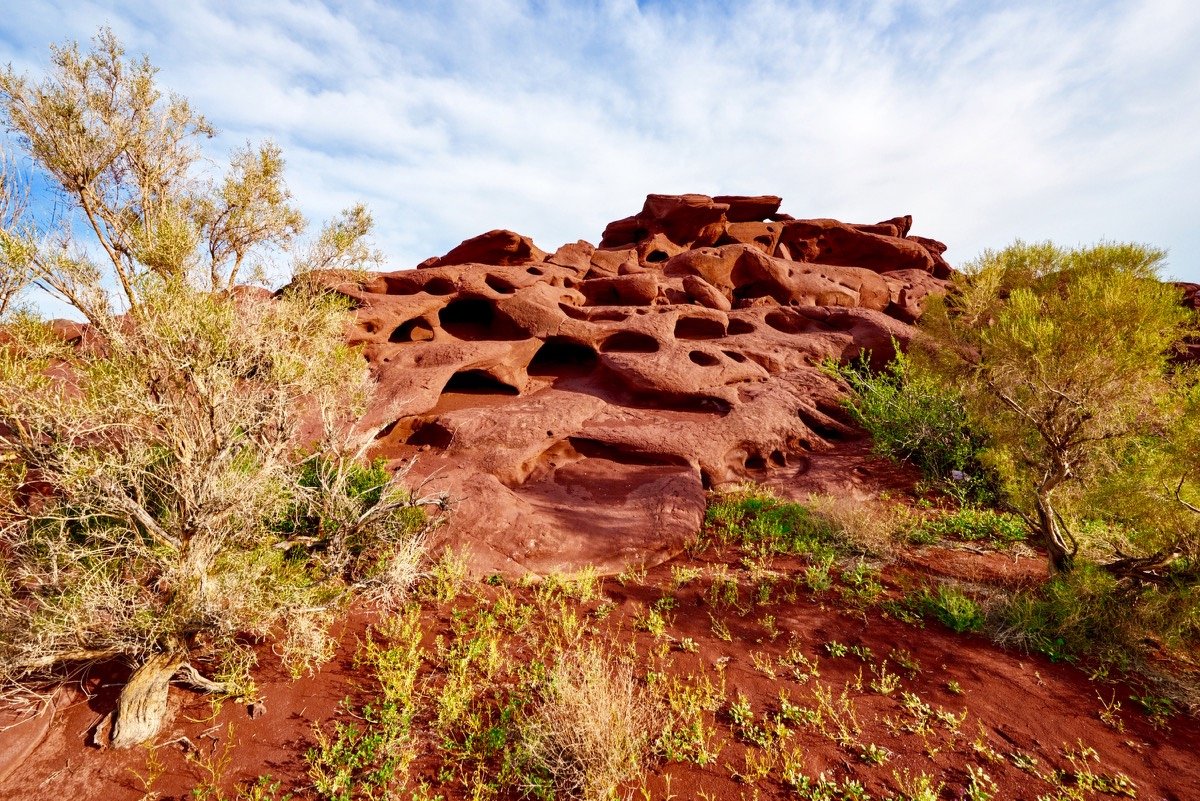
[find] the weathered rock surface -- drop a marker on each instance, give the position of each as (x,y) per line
(578,404)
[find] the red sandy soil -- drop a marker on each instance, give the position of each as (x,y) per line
(1015,702)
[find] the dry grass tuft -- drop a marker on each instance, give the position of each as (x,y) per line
(871,526)
(591,731)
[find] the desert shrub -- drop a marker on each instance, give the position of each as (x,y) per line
(1063,359)
(914,418)
(369,523)
(869,527)
(951,606)
(156,505)
(972,524)
(147,477)
(591,731)
(1089,612)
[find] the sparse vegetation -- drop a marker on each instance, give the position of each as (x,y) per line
(156,502)
(184,488)
(914,417)
(591,731)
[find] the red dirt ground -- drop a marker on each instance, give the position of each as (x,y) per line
(1015,702)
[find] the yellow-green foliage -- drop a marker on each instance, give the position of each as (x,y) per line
(1062,359)
(165,472)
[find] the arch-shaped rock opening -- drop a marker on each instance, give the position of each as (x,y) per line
(415,330)
(623,454)
(737,326)
(629,342)
(733,354)
(559,356)
(500,285)
(433,434)
(703,359)
(698,328)
(656,256)
(403,284)
(534,271)
(476,319)
(756,462)
(778,458)
(439,286)
(756,289)
(478,382)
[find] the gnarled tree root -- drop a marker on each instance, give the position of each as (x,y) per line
(142,706)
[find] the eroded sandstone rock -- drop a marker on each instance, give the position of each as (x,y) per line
(577,405)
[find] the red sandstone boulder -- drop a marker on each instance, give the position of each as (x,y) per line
(578,405)
(497,247)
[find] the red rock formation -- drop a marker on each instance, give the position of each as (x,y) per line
(578,404)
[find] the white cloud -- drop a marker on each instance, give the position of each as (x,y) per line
(986,121)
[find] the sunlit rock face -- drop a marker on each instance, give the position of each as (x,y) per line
(578,404)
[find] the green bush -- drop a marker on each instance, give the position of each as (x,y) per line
(916,419)
(1090,612)
(954,608)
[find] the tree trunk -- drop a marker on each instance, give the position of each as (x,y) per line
(1062,554)
(142,705)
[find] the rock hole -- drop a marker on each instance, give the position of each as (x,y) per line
(779,458)
(439,286)
(629,342)
(623,454)
(478,382)
(656,256)
(698,328)
(706,482)
(500,285)
(756,462)
(534,271)
(559,356)
(475,319)
(704,359)
(432,434)
(740,327)
(788,323)
(415,330)
(733,354)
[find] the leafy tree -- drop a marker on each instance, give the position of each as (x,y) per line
(157,501)
(1063,358)
(14,243)
(127,158)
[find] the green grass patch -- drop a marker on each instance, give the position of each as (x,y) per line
(951,606)
(971,524)
(761,523)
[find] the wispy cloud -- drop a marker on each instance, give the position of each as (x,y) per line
(986,121)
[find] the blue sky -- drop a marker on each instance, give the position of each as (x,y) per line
(1073,121)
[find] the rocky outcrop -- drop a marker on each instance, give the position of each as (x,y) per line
(578,404)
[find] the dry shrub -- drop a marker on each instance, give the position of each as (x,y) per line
(591,730)
(870,526)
